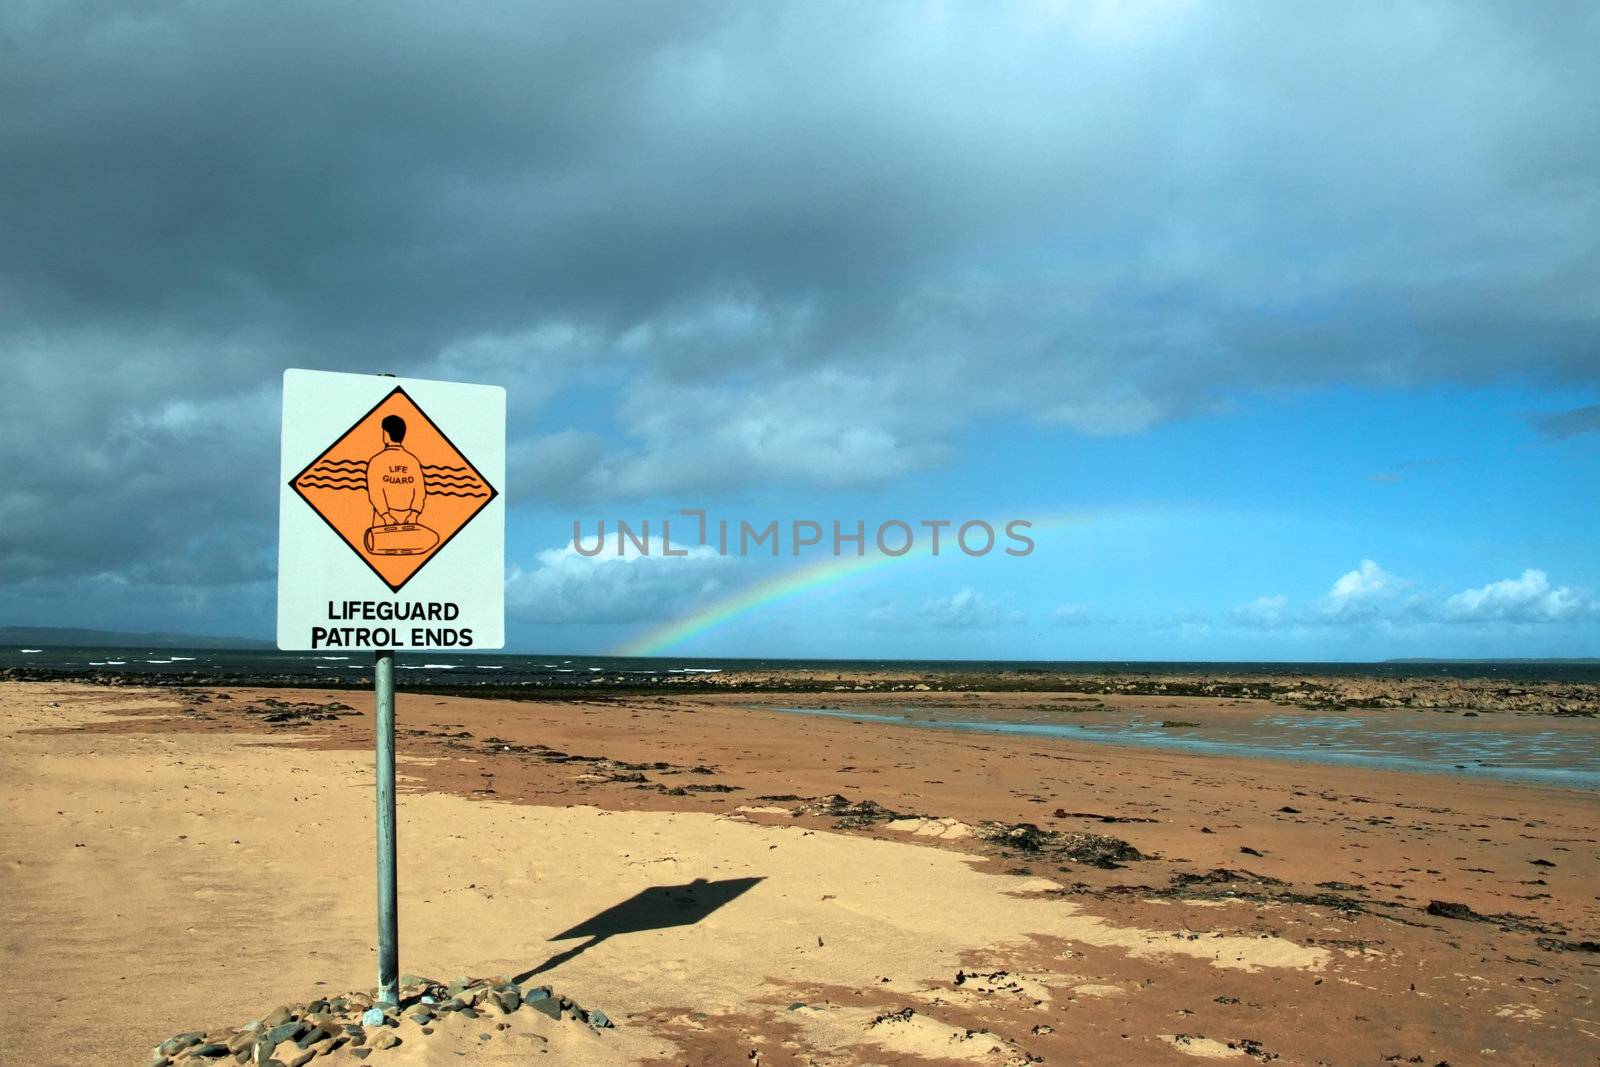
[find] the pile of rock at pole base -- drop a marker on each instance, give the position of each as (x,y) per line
(362,1029)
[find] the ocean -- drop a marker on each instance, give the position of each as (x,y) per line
(474,669)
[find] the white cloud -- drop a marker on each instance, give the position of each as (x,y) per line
(965,609)
(1072,615)
(1267,612)
(968,609)
(1367,591)
(1371,595)
(1364,583)
(567,586)
(1530,598)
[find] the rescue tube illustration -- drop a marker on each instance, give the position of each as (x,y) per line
(402,539)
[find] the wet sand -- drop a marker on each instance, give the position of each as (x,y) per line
(183,859)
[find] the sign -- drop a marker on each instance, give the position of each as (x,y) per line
(391,523)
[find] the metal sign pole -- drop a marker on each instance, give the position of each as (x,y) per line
(388,912)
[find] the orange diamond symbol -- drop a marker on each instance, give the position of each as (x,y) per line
(394,488)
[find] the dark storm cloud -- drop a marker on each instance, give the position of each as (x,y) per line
(794,244)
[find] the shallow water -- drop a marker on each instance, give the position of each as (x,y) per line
(1567,757)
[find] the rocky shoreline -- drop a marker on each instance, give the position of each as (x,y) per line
(1317,692)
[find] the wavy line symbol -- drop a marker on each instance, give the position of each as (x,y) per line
(306,483)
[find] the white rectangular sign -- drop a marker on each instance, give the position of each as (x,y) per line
(391,513)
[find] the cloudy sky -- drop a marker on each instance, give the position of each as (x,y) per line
(1281,318)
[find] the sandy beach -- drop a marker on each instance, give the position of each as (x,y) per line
(732,883)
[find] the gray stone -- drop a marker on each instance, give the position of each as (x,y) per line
(600,1019)
(549,1006)
(283,1032)
(534,994)
(179,1042)
(311,1037)
(428,999)
(373,1017)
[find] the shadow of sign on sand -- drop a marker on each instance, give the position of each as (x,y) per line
(657,908)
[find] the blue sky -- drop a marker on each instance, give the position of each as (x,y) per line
(1293,307)
(1182,534)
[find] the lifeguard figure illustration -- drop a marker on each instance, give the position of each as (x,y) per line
(398,490)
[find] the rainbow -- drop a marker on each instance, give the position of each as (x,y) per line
(657,640)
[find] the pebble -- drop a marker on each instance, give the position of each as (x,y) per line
(179,1042)
(387,1039)
(373,1017)
(600,1019)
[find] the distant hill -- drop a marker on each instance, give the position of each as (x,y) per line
(1535,659)
(61,636)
